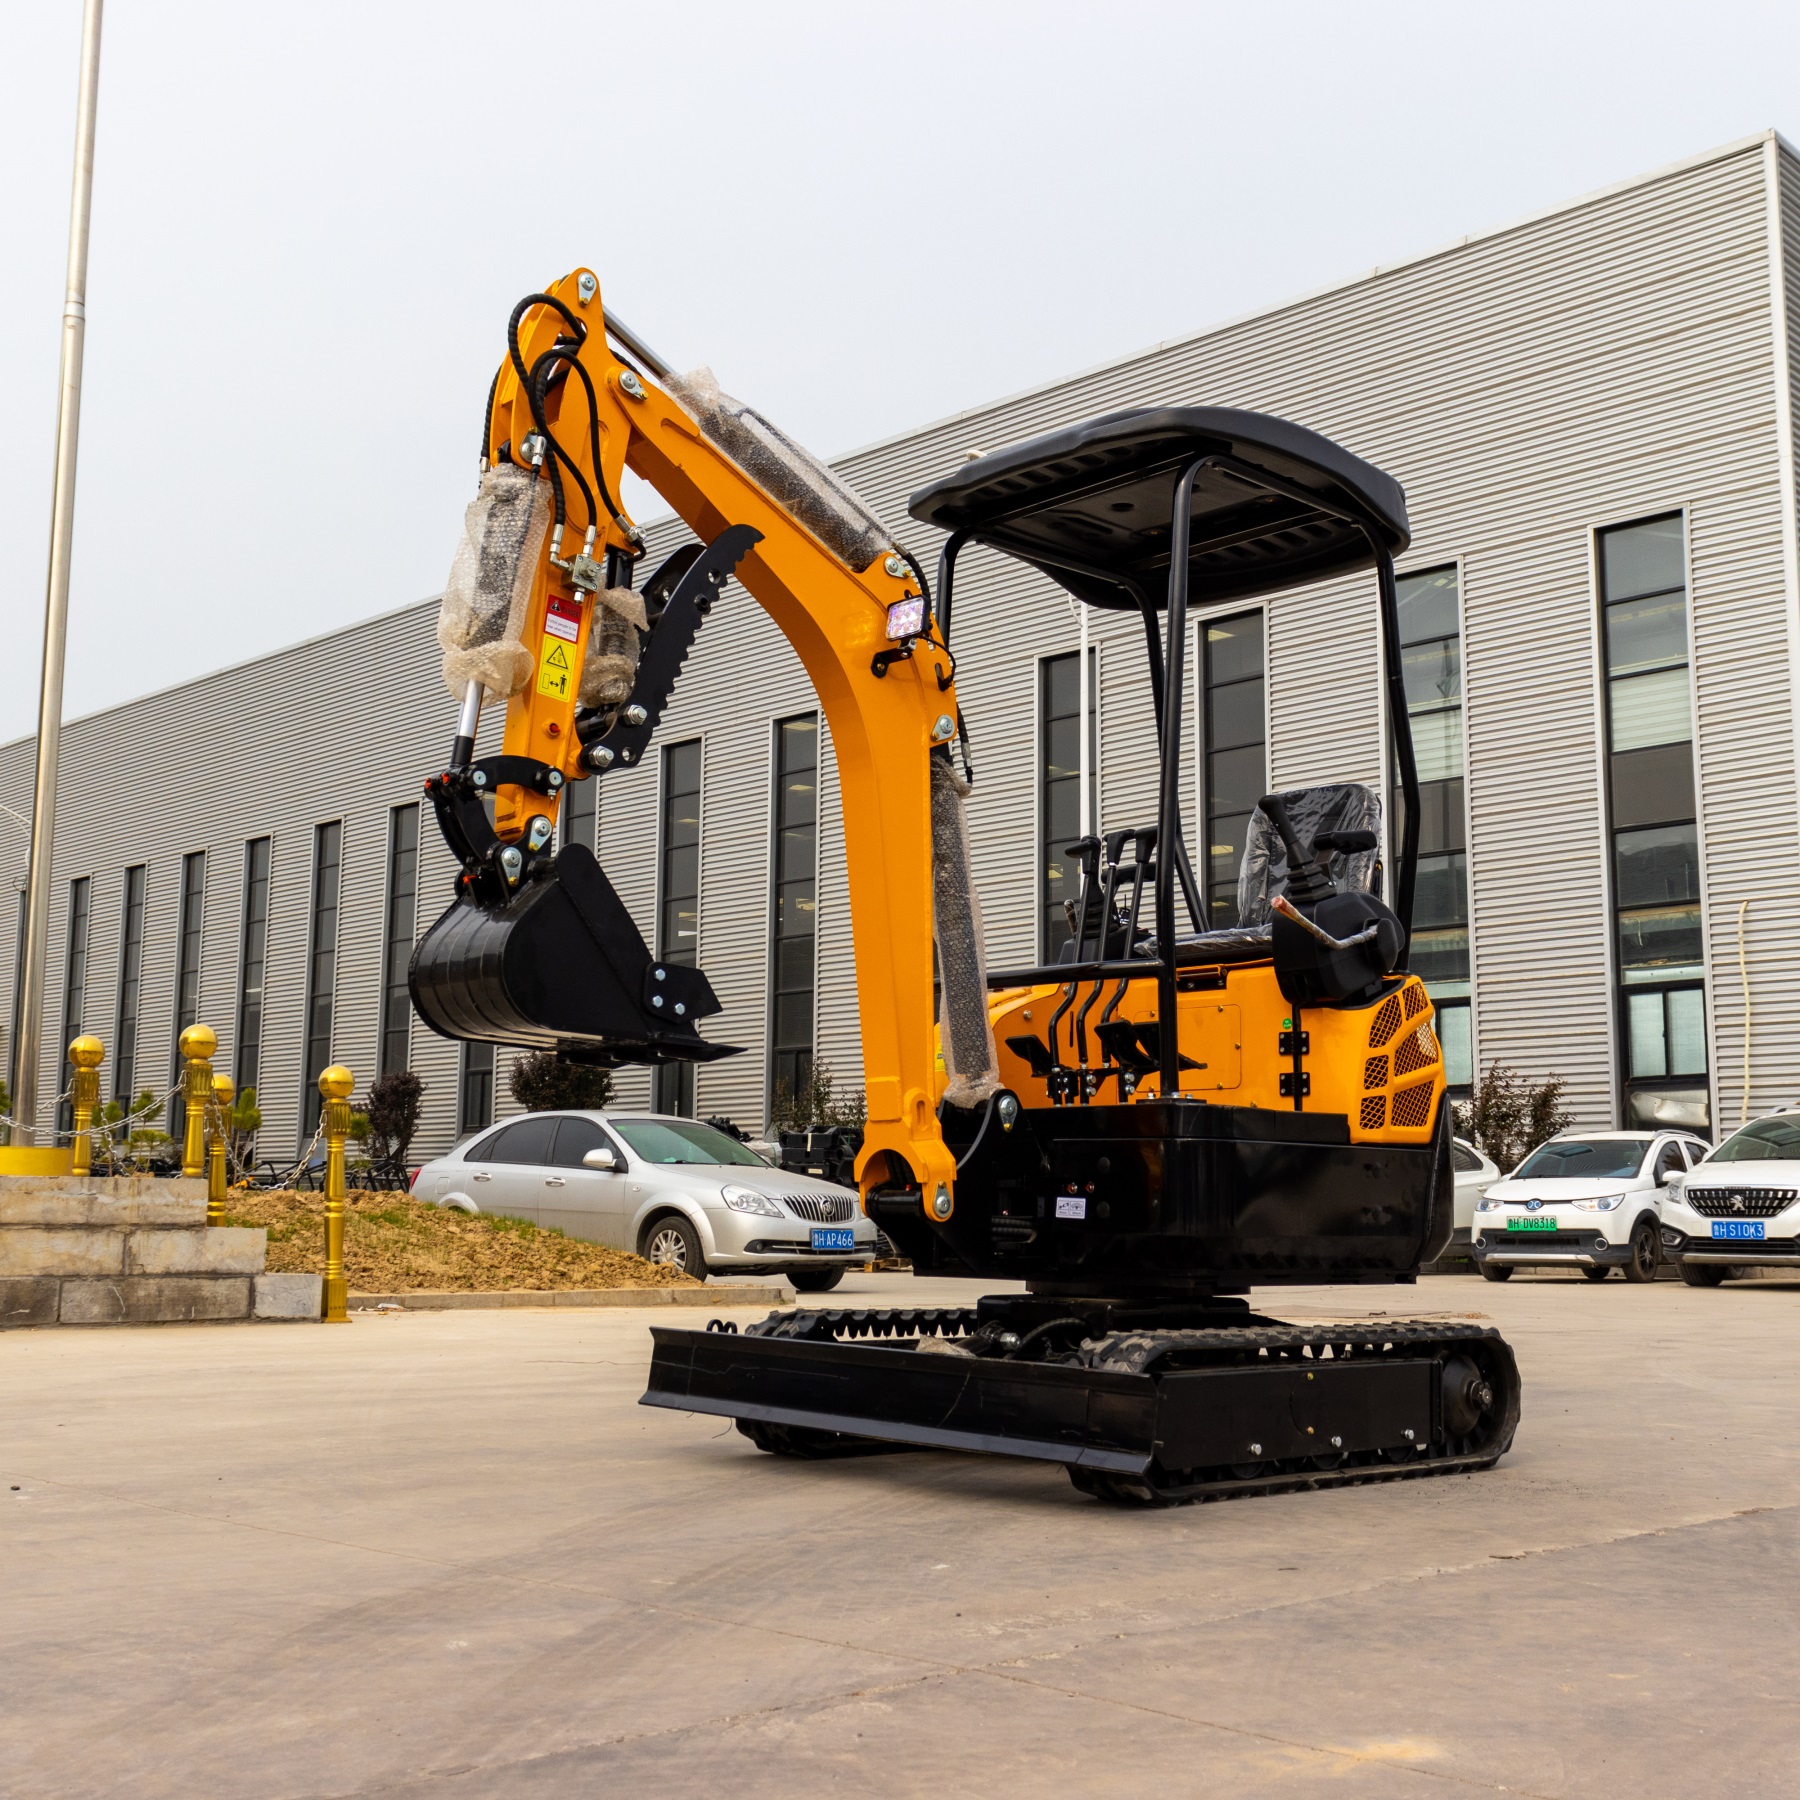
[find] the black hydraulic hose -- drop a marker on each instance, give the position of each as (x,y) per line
(540,386)
(946,581)
(524,375)
(606,499)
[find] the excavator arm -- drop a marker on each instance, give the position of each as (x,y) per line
(570,411)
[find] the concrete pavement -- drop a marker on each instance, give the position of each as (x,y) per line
(448,1555)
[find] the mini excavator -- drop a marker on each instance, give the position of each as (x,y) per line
(1170,1116)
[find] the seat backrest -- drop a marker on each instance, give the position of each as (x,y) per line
(1338,806)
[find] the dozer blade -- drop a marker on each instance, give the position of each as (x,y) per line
(562,966)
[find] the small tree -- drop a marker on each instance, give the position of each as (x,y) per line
(393,1105)
(812,1105)
(546,1082)
(243,1120)
(1509,1115)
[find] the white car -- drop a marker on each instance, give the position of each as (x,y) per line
(1738,1209)
(1589,1200)
(1475,1172)
(673,1190)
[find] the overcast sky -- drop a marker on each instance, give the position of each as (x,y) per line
(310,222)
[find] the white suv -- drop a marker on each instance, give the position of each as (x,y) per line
(1588,1200)
(1739,1208)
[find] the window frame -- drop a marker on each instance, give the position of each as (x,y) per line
(1200,663)
(396,1011)
(679,1076)
(1040,783)
(247,1044)
(311,1101)
(771,1075)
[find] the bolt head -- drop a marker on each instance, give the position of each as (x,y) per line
(662,974)
(1256,1449)
(599,757)
(198,1042)
(635,715)
(1337,1443)
(680,1010)
(586,287)
(630,385)
(656,999)
(1408,1435)
(556,780)
(479,778)
(944,729)
(511,861)
(895,566)
(940,1202)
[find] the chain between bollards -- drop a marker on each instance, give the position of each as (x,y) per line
(197,1044)
(87,1054)
(216,1103)
(336,1085)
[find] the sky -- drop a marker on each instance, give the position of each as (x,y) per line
(310,223)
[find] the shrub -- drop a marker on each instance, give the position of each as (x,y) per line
(546,1082)
(392,1106)
(812,1105)
(1509,1115)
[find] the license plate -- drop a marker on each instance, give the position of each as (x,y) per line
(1737,1228)
(1530,1224)
(834,1237)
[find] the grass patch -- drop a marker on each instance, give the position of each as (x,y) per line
(395,1245)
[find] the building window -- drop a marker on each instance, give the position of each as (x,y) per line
(475,1107)
(580,813)
(1653,818)
(321,970)
(402,921)
(1431,657)
(189,931)
(252,962)
(678,898)
(1235,759)
(131,977)
(1059,791)
(74,989)
(792,924)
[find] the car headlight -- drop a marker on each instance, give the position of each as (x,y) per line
(1489,1205)
(747,1200)
(1605,1203)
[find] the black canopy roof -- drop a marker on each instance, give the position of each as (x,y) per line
(1091,505)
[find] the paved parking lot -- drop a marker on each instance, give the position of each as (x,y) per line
(448,1555)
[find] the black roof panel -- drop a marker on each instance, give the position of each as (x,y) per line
(1091,505)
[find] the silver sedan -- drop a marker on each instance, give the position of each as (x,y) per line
(673,1190)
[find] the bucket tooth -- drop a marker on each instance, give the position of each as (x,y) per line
(561,965)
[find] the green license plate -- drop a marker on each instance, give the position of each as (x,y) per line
(1538,1224)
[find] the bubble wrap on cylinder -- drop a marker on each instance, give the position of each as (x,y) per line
(964,1026)
(481,619)
(613,644)
(795,479)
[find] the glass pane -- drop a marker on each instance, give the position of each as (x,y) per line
(526,1142)
(1236,779)
(1234,715)
(1427,605)
(1639,559)
(1440,816)
(574,1139)
(1651,709)
(1686,1031)
(1433,672)
(1441,896)
(1454,1033)
(1646,634)
(1649,1054)
(1653,787)
(1234,647)
(1438,744)
(1653,1109)
(1658,865)
(1654,945)
(1439,955)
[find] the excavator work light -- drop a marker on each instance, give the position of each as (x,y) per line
(906,618)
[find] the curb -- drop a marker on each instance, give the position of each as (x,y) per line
(727,1294)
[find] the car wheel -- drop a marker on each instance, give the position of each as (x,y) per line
(1596,1274)
(1496,1271)
(671,1239)
(815,1281)
(1646,1253)
(1703,1274)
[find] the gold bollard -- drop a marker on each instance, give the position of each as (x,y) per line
(197,1044)
(336,1084)
(86,1053)
(222,1092)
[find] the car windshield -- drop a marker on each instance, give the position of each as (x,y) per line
(684,1141)
(1583,1159)
(1768,1140)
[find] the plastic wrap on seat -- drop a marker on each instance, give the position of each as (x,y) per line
(481,619)
(614,640)
(1336,806)
(792,477)
(964,1026)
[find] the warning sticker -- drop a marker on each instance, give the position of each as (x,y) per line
(562,618)
(1071,1206)
(556,669)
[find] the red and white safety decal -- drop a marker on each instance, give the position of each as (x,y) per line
(562,617)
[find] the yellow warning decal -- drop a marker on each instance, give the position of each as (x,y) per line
(556,668)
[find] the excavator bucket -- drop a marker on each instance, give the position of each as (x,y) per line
(561,965)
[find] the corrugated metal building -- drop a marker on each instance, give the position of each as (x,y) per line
(1593,414)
